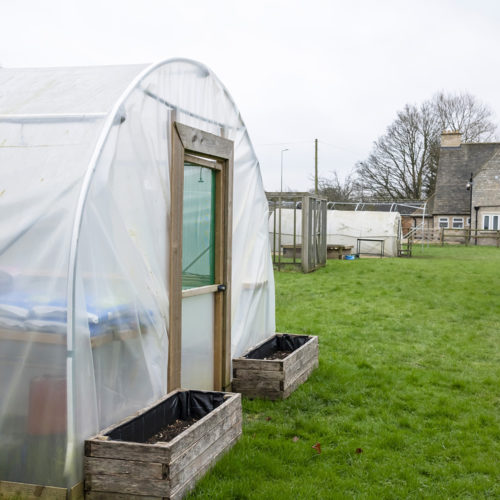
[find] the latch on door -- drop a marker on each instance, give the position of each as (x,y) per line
(221,288)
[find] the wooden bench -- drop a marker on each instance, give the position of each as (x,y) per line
(338,251)
(332,251)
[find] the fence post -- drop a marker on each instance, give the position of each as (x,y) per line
(274,234)
(306,233)
(280,202)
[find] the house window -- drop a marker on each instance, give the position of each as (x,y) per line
(490,221)
(443,222)
(468,221)
(458,222)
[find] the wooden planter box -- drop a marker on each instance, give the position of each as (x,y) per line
(256,377)
(119,464)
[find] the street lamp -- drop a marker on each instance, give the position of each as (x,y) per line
(282,151)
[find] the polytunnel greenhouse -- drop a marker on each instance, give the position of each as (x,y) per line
(134,251)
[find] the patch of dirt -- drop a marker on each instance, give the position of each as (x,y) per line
(170,431)
(278,355)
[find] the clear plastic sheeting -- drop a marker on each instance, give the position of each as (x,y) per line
(198,342)
(84,210)
(345,227)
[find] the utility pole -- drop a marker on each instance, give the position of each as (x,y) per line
(316,166)
(282,151)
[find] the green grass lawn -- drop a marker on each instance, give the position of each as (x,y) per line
(409,374)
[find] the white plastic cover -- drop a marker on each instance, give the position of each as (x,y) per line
(344,227)
(197,343)
(84,204)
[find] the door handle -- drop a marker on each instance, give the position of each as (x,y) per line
(221,288)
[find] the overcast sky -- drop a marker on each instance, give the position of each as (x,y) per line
(298,70)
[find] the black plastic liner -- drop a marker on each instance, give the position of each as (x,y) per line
(180,406)
(282,342)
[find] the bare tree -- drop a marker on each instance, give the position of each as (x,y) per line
(333,189)
(463,112)
(403,162)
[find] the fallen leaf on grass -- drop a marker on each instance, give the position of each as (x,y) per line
(268,418)
(359,450)
(317,447)
(295,439)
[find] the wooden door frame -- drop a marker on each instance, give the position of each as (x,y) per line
(190,141)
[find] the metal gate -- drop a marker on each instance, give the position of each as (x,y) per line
(297,229)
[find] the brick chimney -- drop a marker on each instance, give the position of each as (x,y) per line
(451,139)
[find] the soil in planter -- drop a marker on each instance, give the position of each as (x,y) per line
(278,355)
(170,431)
(278,347)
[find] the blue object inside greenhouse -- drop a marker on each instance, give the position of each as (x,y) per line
(22,310)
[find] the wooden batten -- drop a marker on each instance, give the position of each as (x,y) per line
(258,375)
(220,202)
(257,364)
(204,162)
(26,491)
(228,230)
(128,485)
(193,292)
(125,468)
(122,450)
(243,385)
(175,262)
(197,141)
(108,495)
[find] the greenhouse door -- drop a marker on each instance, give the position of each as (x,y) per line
(200,260)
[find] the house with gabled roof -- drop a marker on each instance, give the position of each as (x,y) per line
(457,200)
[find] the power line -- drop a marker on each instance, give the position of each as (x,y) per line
(284,143)
(308,142)
(337,147)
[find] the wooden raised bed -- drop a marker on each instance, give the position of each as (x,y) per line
(256,377)
(119,464)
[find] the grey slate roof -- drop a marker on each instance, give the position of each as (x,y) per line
(454,169)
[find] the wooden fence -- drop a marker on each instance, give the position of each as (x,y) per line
(470,236)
